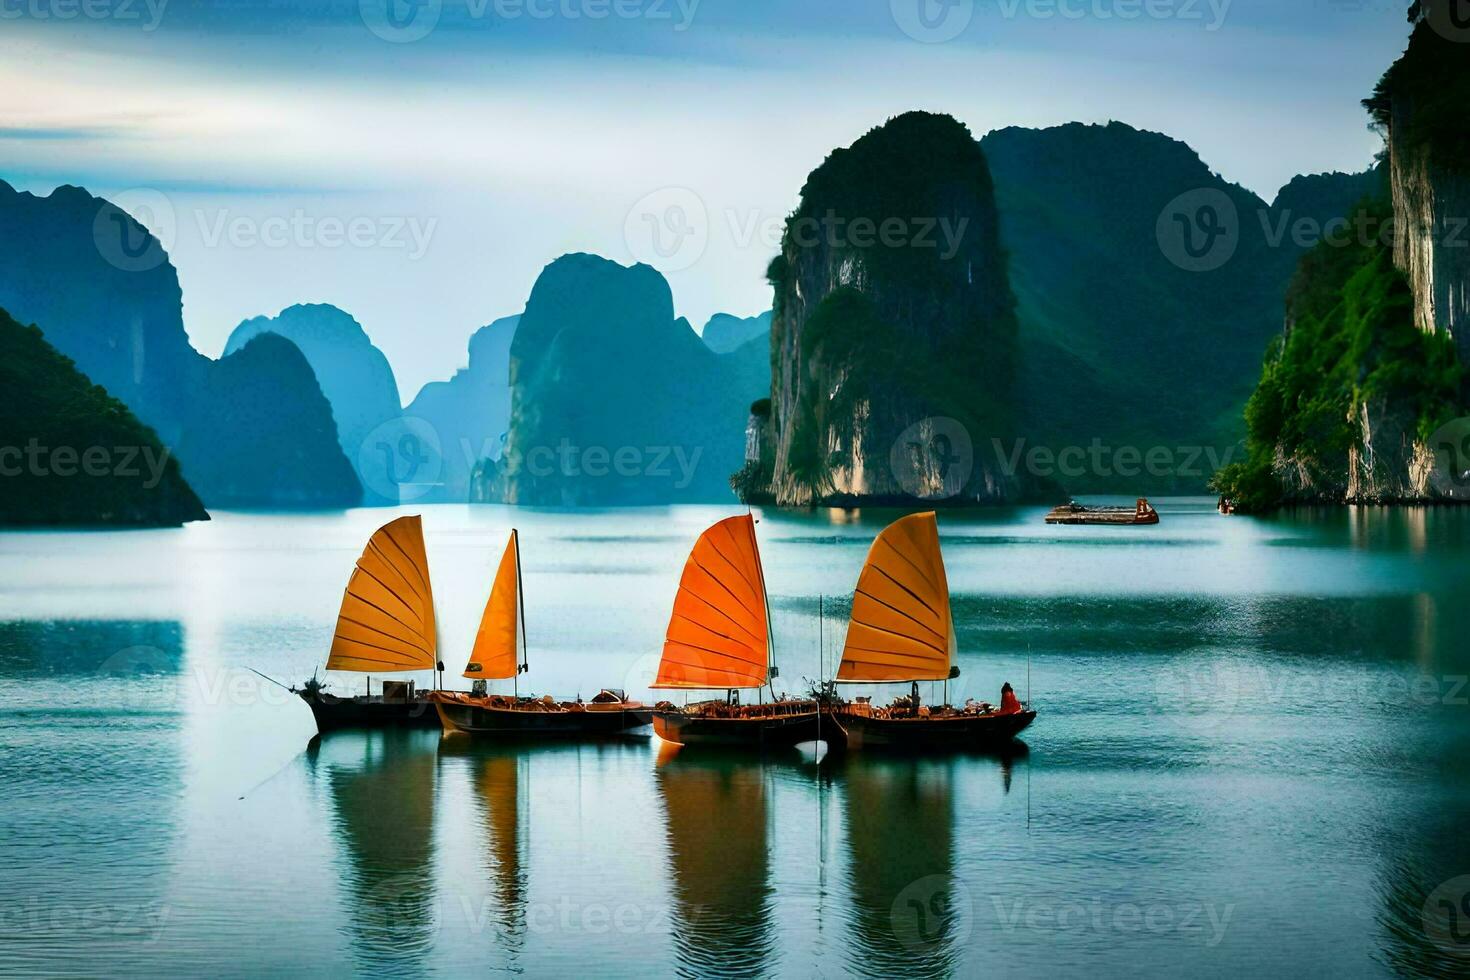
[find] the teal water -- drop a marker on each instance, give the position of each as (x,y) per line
(1253,754)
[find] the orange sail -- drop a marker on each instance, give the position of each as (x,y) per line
(901,628)
(387,619)
(717,636)
(494,656)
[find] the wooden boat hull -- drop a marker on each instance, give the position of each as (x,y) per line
(1140,513)
(957,732)
(458,718)
(760,732)
(1127,519)
(336,714)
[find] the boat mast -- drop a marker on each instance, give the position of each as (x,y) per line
(821,682)
(521,603)
(760,568)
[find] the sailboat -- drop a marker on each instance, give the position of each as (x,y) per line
(902,631)
(719,639)
(497,655)
(385,626)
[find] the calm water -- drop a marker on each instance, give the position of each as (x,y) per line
(1253,755)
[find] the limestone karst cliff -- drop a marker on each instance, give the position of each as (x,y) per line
(894,326)
(1364,396)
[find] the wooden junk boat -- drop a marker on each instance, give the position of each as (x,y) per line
(1074,513)
(902,631)
(719,639)
(498,656)
(385,626)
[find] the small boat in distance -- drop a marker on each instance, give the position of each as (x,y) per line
(497,655)
(719,638)
(902,632)
(1075,513)
(385,626)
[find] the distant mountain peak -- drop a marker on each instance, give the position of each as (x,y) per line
(725,331)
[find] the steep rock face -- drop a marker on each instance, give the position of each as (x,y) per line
(725,333)
(104,294)
(1351,393)
(892,307)
(1364,397)
(102,290)
(470,413)
(613,399)
(1126,343)
(353,374)
(74,455)
(1420,103)
(264,405)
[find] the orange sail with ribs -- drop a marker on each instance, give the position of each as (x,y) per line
(901,627)
(718,636)
(386,623)
(494,654)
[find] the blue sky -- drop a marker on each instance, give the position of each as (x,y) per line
(419,164)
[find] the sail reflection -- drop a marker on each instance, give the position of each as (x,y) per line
(381,789)
(905,902)
(501,790)
(715,808)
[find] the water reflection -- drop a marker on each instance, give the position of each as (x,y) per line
(113,650)
(501,792)
(380,788)
(91,765)
(900,828)
(1424,875)
(715,810)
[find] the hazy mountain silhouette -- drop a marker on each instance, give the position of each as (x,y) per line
(470,413)
(102,290)
(353,374)
(614,400)
(725,332)
(266,398)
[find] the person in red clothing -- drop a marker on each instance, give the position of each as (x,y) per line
(1009,705)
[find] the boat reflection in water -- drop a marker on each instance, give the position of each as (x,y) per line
(910,913)
(499,779)
(380,784)
(716,812)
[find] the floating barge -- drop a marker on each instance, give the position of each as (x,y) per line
(1075,513)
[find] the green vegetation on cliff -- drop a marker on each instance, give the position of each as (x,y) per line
(71,454)
(1432,80)
(892,305)
(1351,345)
(1120,344)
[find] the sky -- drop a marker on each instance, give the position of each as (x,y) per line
(418,162)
